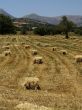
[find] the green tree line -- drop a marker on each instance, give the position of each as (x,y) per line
(65,26)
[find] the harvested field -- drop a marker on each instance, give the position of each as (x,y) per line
(60,76)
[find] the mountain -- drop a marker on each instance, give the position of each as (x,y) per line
(5,13)
(55,20)
(50,20)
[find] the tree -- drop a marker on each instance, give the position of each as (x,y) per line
(6,25)
(78,30)
(66,26)
(45,30)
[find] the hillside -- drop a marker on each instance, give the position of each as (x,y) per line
(6,14)
(55,20)
(60,76)
(49,20)
(19,22)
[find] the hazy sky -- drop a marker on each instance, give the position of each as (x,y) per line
(20,8)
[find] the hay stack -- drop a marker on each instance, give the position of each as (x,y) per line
(13,39)
(8,43)
(23,43)
(64,52)
(78,58)
(17,45)
(6,47)
(34,52)
(32,83)
(54,48)
(46,45)
(27,46)
(31,106)
(38,60)
(7,53)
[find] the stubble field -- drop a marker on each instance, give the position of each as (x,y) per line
(60,75)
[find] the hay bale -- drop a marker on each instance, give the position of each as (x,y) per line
(17,45)
(7,53)
(27,46)
(23,43)
(38,60)
(54,48)
(32,83)
(31,106)
(64,52)
(34,52)
(13,39)
(8,43)
(78,58)
(5,47)
(46,45)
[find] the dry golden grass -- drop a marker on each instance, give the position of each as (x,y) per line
(60,76)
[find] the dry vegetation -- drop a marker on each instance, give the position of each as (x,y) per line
(60,74)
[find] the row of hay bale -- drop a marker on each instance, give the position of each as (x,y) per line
(78,58)
(37,59)
(64,52)
(34,53)
(32,83)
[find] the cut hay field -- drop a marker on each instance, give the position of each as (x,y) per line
(60,75)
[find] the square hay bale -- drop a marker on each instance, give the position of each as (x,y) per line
(64,52)
(32,83)
(27,46)
(23,43)
(34,52)
(8,43)
(14,39)
(54,48)
(17,45)
(38,60)
(6,47)
(46,45)
(78,58)
(31,106)
(7,53)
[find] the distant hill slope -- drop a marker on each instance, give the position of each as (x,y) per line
(50,20)
(55,20)
(6,14)
(30,22)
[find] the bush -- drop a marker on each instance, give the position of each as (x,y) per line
(78,30)
(6,25)
(45,30)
